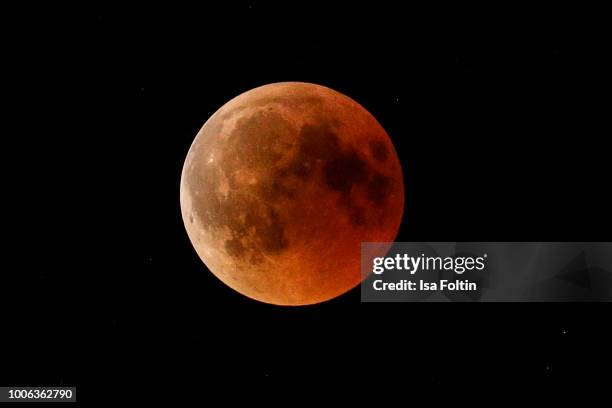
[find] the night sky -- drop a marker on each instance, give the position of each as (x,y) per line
(496,118)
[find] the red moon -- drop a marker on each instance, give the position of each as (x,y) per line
(280,187)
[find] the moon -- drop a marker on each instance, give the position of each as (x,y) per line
(281,186)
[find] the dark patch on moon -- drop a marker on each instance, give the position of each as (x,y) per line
(318,142)
(255,258)
(378,189)
(356,213)
(342,172)
(379,150)
(302,169)
(319,149)
(262,137)
(277,187)
(234,248)
(267,230)
(272,233)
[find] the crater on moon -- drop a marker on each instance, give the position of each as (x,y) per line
(280,187)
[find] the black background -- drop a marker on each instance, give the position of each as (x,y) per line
(497,117)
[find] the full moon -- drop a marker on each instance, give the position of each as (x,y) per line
(281,186)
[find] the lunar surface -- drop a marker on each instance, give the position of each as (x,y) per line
(280,187)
